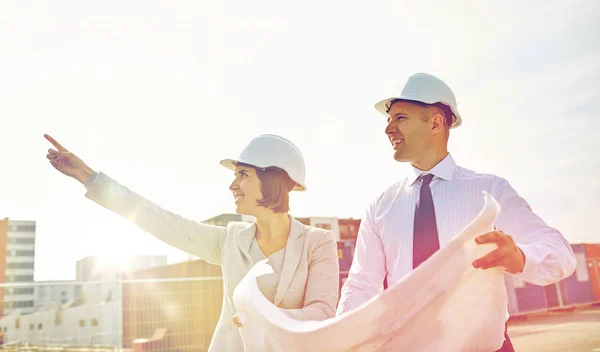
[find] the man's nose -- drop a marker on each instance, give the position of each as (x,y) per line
(390,129)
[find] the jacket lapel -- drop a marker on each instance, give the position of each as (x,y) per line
(294,250)
(244,239)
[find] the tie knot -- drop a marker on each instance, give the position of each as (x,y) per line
(427,179)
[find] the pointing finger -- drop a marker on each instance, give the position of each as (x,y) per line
(55,143)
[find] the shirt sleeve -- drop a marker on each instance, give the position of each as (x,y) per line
(365,278)
(549,257)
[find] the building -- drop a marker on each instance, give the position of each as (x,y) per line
(54,293)
(185,298)
(95,268)
(99,281)
(349,228)
(344,229)
(17,261)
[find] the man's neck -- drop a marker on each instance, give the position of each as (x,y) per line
(430,160)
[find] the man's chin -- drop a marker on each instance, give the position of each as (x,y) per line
(400,158)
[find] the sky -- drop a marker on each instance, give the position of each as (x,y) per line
(156,93)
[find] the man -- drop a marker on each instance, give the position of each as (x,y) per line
(423,211)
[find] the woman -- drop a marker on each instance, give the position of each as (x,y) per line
(304,259)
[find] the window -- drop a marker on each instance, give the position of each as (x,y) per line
(17,323)
(40,326)
(31,327)
(82,323)
(20,278)
(324,226)
(23,228)
(21,240)
(21,291)
(581,270)
(19,265)
(18,304)
(24,253)
(94,322)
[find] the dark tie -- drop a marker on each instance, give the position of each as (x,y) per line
(425,234)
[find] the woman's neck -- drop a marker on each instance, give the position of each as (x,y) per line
(272,226)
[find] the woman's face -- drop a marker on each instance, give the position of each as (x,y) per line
(246,190)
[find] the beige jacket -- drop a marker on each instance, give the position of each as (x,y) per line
(308,284)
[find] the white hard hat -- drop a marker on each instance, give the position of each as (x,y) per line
(269,150)
(424,88)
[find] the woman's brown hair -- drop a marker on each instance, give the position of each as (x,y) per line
(275,186)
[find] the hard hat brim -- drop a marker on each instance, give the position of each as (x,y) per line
(231,164)
(382,108)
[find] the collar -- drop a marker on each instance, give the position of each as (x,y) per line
(248,233)
(444,170)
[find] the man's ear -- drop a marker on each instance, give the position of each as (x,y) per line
(437,123)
